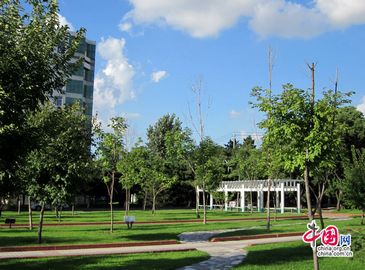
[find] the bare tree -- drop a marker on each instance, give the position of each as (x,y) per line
(198,126)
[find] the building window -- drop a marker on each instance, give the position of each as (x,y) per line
(74,86)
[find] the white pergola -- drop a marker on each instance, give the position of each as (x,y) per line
(279,186)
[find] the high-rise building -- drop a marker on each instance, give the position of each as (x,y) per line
(80,87)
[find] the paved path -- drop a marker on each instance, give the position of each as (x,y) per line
(224,255)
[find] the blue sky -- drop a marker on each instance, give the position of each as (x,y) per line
(150,53)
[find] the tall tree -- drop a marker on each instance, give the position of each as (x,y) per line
(61,158)
(304,130)
(35,60)
(209,165)
(167,143)
(110,151)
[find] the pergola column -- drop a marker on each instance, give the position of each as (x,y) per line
(243,200)
(225,198)
(298,198)
(211,201)
(282,197)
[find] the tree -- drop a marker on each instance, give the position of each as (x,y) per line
(351,124)
(61,158)
(304,129)
(110,151)
(131,167)
(35,60)
(209,169)
(167,144)
(354,184)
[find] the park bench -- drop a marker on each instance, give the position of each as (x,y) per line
(129,220)
(10,221)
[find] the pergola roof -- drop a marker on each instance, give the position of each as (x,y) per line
(259,185)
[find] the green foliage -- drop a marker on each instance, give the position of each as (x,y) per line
(61,158)
(110,147)
(209,163)
(303,131)
(354,184)
(35,54)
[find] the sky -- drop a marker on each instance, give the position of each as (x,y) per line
(151,54)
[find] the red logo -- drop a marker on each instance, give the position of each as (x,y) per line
(329,235)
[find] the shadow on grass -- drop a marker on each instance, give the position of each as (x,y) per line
(277,255)
(170,260)
(151,237)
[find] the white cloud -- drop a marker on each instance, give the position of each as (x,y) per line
(199,18)
(158,75)
(288,20)
(64,21)
(114,84)
(284,18)
(361,107)
(234,114)
(125,27)
(343,13)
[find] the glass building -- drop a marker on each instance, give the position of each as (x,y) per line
(80,86)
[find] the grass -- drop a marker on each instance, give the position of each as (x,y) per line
(104,215)
(100,234)
(295,256)
(283,226)
(163,260)
(61,235)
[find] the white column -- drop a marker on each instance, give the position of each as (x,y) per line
(298,198)
(225,198)
(261,197)
(258,201)
(211,201)
(277,198)
(282,197)
(243,200)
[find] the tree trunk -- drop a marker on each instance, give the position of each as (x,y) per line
(362,217)
(268,206)
(144,201)
(126,202)
(310,215)
(204,207)
(40,227)
(338,200)
(153,202)
(30,214)
(320,212)
(197,202)
(19,205)
(111,203)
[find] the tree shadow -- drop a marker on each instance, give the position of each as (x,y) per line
(278,255)
(125,262)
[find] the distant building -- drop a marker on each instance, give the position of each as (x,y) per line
(80,87)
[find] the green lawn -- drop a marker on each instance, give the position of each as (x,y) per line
(295,256)
(100,234)
(284,226)
(104,215)
(161,261)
